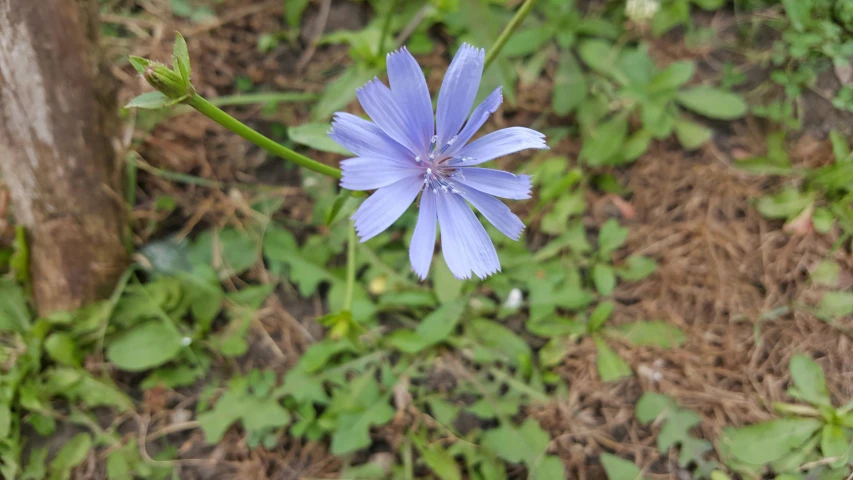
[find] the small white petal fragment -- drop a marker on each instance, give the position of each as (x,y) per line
(513,300)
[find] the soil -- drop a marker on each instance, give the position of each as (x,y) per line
(728,278)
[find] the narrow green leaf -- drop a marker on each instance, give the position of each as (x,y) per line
(569,85)
(36,466)
(524,444)
(605,140)
(61,347)
(441,462)
(611,237)
(567,205)
(672,77)
(637,267)
(554,351)
(709,5)
(619,469)
(656,333)
(139,63)
(341,92)
(433,329)
(799,12)
(335,212)
(712,102)
(636,145)
(600,315)
(610,366)
(14,314)
(447,287)
(182,57)
(676,429)
(547,467)
(293,11)
(19,261)
(840,148)
(604,278)
(822,220)
(765,442)
(353,431)
(799,456)
(834,441)
(809,382)
(149,101)
(600,56)
(691,135)
(316,136)
(5,420)
(652,405)
(494,342)
(70,455)
(827,273)
(785,204)
(146,346)
(835,304)
(526,42)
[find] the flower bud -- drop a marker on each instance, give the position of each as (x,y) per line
(167,81)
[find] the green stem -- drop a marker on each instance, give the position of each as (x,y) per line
(350,268)
(264,97)
(408,461)
(386,25)
(508,31)
(238,127)
(534,394)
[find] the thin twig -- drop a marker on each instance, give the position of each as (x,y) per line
(234,15)
(413,24)
(320,27)
(173,428)
(386,25)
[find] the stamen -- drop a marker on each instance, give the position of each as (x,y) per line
(448,144)
(432,144)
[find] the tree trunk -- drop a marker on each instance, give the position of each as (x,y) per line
(57,122)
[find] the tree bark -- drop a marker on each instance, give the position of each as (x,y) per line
(57,123)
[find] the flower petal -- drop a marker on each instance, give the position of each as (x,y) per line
(385,206)
(366,139)
(458,91)
(464,242)
(499,143)
(478,118)
(365,173)
(495,182)
(423,238)
(376,99)
(410,90)
(498,214)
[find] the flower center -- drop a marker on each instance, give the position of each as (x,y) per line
(438,169)
(437,179)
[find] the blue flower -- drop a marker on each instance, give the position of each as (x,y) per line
(406,150)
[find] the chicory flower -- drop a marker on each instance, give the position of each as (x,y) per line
(407,151)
